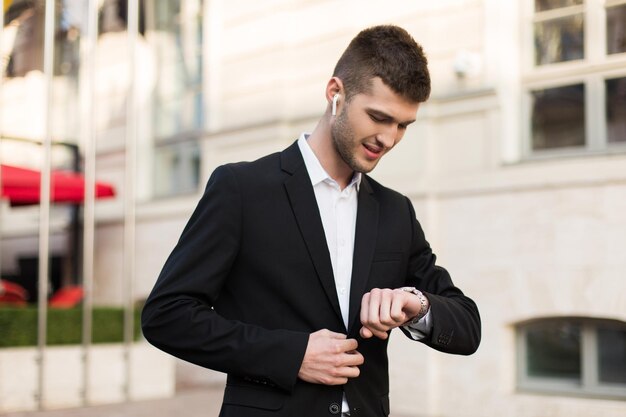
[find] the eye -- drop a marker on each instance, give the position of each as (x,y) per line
(377,119)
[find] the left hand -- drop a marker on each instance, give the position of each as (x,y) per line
(385,309)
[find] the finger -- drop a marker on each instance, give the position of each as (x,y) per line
(354,359)
(381,334)
(365,302)
(333,335)
(382,322)
(336,381)
(385,309)
(365,333)
(349,372)
(373,314)
(347,345)
(368,332)
(397,309)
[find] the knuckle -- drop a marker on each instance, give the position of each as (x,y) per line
(397,317)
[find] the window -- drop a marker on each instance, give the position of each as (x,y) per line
(559,31)
(573,355)
(175,29)
(575,77)
(23,64)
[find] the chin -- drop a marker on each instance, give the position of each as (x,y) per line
(364,168)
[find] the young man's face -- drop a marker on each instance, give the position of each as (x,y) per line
(370,124)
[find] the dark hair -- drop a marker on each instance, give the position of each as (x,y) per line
(388,52)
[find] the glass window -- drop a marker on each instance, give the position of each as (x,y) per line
(22,63)
(177,168)
(573,355)
(558,117)
(616,109)
(559,40)
(541,5)
(175,31)
(571,31)
(113,16)
(612,355)
(553,350)
(177,34)
(616,29)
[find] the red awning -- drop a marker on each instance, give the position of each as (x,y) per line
(21,186)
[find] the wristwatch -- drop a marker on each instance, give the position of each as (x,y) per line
(423,301)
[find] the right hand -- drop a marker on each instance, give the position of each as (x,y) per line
(330,359)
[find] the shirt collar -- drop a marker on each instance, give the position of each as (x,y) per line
(317,173)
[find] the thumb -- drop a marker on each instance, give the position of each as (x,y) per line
(330,334)
(366,333)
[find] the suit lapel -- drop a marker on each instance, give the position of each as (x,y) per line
(304,205)
(364,245)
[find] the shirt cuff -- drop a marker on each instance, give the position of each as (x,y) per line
(422,328)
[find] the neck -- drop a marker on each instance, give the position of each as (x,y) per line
(321,143)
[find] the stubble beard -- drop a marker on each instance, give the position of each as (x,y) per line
(344,142)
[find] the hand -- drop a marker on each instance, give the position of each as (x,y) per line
(386,309)
(330,359)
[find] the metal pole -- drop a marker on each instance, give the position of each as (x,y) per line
(44,206)
(88,138)
(132,113)
(1,105)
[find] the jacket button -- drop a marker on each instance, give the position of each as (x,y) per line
(334,408)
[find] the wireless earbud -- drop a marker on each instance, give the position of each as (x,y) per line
(334,108)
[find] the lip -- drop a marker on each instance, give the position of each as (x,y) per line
(372,151)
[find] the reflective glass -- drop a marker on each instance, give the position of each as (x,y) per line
(177,37)
(612,355)
(616,29)
(22,64)
(559,40)
(553,350)
(616,110)
(541,5)
(177,168)
(558,117)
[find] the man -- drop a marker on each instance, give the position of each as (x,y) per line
(294,268)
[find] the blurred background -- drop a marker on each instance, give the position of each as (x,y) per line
(113,114)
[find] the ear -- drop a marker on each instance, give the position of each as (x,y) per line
(334,87)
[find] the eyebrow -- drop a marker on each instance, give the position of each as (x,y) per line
(383,115)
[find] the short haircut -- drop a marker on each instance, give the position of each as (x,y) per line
(388,52)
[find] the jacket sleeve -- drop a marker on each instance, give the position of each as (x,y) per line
(456,321)
(179,317)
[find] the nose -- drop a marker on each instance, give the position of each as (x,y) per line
(389,137)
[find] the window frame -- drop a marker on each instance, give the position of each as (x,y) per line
(589,384)
(592,71)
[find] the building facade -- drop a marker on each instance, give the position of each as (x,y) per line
(516,168)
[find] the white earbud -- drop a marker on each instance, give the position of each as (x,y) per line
(334,108)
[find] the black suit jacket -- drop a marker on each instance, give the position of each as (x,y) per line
(251,278)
